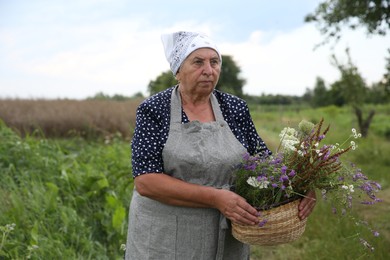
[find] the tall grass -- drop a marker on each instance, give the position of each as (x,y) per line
(68,118)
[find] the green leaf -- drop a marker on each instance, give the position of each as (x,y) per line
(34,234)
(118,218)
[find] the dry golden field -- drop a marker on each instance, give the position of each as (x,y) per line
(68,118)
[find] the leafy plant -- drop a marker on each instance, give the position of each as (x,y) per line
(67,198)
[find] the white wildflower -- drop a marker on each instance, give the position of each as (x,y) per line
(10,227)
(348,187)
(353,145)
(287,131)
(290,144)
(254,182)
(288,138)
(355,134)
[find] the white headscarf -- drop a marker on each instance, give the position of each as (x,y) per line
(179,45)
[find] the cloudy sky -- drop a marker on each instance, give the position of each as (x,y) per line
(77,48)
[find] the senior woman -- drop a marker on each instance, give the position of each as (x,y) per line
(187,141)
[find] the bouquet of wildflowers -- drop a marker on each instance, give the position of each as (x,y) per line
(303,163)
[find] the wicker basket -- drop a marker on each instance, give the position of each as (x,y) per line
(282,226)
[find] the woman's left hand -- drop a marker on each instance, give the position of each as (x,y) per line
(307,205)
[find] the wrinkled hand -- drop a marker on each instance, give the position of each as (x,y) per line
(235,208)
(307,205)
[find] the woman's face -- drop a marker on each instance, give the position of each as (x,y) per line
(199,73)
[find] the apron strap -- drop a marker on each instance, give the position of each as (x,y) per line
(176,108)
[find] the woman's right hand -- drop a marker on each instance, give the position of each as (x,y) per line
(235,207)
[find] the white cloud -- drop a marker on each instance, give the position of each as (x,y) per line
(117,57)
(121,56)
(286,63)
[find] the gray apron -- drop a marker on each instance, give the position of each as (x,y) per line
(200,153)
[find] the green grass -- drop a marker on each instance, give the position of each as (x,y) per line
(70,197)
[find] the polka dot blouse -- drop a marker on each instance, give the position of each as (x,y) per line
(152,128)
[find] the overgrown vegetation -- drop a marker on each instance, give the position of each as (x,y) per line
(65,199)
(69,198)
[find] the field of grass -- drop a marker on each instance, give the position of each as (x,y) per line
(69,118)
(68,198)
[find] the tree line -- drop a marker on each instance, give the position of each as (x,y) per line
(349,88)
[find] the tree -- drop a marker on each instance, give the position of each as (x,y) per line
(331,15)
(353,90)
(380,92)
(336,93)
(308,96)
(162,82)
(320,94)
(137,95)
(99,96)
(229,80)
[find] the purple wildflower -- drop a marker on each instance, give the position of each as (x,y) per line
(292,173)
(370,187)
(365,202)
(262,178)
(349,201)
(276,160)
(321,137)
(283,169)
(283,178)
(262,223)
(375,233)
(326,155)
(250,167)
(377,185)
(246,156)
(359,176)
